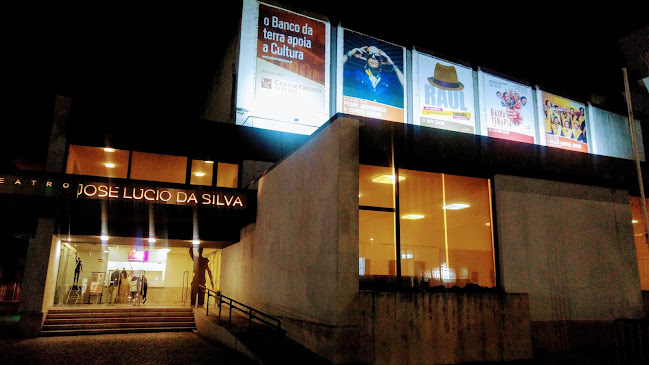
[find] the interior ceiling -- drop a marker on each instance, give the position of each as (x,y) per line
(89,243)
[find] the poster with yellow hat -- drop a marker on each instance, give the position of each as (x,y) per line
(444,91)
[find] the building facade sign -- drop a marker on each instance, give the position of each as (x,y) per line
(75,188)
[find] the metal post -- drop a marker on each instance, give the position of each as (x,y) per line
(207,304)
(230,319)
(636,155)
(249,318)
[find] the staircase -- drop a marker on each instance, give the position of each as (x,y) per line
(89,321)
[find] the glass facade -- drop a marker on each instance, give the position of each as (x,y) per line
(641,249)
(445,228)
(110,162)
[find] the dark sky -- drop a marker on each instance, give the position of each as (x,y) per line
(157,63)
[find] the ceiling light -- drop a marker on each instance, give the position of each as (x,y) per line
(634,221)
(487,224)
(412,216)
(387,179)
(456,206)
(209,161)
(109,165)
(200,174)
(104,238)
(108,149)
(106,251)
(196,242)
(371,239)
(151,240)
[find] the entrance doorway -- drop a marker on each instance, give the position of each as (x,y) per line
(114,271)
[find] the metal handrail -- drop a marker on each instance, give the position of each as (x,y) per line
(252,313)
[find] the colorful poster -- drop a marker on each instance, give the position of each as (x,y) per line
(290,61)
(509,110)
(445,93)
(373,78)
(565,123)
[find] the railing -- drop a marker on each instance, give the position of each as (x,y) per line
(252,313)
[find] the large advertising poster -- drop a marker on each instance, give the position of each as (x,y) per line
(565,123)
(508,109)
(445,94)
(373,78)
(286,86)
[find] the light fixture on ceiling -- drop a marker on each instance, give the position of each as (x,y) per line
(634,221)
(412,216)
(109,165)
(152,240)
(104,238)
(456,206)
(387,179)
(109,150)
(199,174)
(196,242)
(209,161)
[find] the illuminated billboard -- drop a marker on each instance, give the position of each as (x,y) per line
(507,110)
(564,122)
(283,79)
(138,255)
(373,77)
(443,94)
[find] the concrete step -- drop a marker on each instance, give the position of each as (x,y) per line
(90,320)
(118,315)
(114,330)
(117,310)
(81,326)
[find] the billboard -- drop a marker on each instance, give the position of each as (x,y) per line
(284,70)
(564,123)
(373,77)
(507,109)
(443,94)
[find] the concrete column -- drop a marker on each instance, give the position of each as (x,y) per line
(39,282)
(43,253)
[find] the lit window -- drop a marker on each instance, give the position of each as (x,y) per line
(155,167)
(227,175)
(97,161)
(201,172)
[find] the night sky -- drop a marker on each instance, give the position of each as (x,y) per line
(158,63)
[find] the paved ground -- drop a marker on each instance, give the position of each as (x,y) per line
(139,348)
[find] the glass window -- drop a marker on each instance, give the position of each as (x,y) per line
(641,249)
(227,175)
(97,161)
(155,167)
(202,172)
(445,228)
(375,187)
(446,232)
(376,243)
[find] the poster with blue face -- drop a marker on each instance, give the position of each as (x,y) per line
(373,78)
(445,94)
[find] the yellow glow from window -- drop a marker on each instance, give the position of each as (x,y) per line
(412,216)
(109,165)
(386,179)
(456,206)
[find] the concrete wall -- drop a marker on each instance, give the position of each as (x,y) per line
(571,248)
(300,260)
(444,328)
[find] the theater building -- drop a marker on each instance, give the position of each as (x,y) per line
(451,216)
